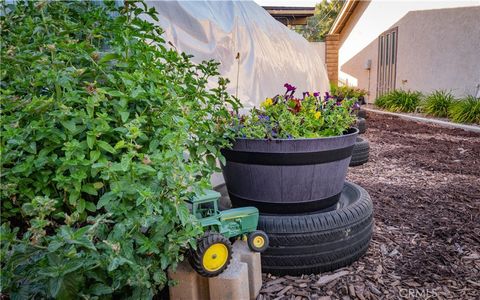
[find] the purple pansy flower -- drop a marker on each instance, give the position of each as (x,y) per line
(289,87)
(327,96)
(264,118)
(306,94)
(316,94)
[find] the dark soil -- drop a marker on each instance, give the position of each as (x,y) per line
(425,184)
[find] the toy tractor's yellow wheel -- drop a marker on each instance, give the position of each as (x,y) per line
(258,241)
(215,257)
(213,254)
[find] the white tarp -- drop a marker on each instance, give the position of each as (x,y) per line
(270,53)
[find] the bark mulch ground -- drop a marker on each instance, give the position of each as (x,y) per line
(425,184)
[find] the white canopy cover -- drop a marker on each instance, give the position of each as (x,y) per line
(270,54)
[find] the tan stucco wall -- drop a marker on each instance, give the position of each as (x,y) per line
(430,42)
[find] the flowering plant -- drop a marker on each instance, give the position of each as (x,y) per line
(286,117)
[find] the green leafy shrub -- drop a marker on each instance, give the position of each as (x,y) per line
(465,110)
(104,133)
(438,103)
(399,101)
(347,92)
(287,117)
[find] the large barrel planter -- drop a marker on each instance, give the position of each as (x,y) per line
(288,175)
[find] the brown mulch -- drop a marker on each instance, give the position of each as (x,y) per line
(425,184)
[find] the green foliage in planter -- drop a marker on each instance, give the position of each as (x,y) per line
(399,101)
(437,103)
(465,110)
(287,117)
(104,133)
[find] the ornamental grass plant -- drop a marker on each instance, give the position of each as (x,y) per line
(399,101)
(104,133)
(466,110)
(438,103)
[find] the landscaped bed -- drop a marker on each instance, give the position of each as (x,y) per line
(425,184)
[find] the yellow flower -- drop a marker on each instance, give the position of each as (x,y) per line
(317,115)
(268,102)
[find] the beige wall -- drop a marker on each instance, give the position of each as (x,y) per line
(429,44)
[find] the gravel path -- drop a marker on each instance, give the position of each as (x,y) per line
(425,184)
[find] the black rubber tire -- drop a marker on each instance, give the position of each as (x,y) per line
(360,153)
(361,113)
(319,242)
(361,125)
(203,243)
(251,244)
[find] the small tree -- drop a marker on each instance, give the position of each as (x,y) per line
(318,26)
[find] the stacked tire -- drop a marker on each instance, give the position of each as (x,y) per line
(318,241)
(361,150)
(360,153)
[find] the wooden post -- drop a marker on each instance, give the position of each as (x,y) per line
(331,56)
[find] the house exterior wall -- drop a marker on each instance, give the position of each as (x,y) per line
(433,38)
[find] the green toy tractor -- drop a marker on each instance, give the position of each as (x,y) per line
(214,249)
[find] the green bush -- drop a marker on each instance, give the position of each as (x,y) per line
(347,92)
(399,101)
(104,133)
(438,103)
(465,110)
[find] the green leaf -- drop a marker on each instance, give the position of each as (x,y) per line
(94,156)
(145,168)
(114,93)
(106,146)
(222,159)
(137,91)
(90,206)
(72,266)
(100,289)
(72,198)
(159,277)
(183,213)
(98,185)
(89,189)
(81,205)
(55,245)
(120,144)
(70,125)
(54,286)
(108,57)
(90,139)
(105,199)
(116,262)
(124,116)
(211,161)
(85,242)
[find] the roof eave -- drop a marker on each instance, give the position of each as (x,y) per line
(343,16)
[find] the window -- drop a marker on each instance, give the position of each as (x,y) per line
(387,61)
